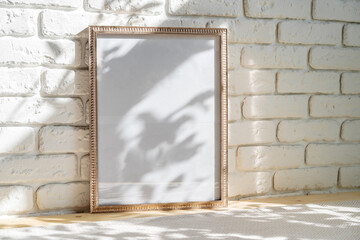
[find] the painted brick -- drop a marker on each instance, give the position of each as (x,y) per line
(335,106)
(217,8)
(41,110)
(57,82)
(16,199)
(350,83)
(269,157)
(308,82)
(55,24)
(250,183)
(310,33)
(233,56)
(349,177)
(245,82)
(335,58)
(278,9)
(85,167)
(308,130)
(232,160)
(31,52)
(352,35)
(337,10)
(19,81)
(274,57)
(150,21)
(17,23)
(235,108)
(257,107)
(308,178)
(46,168)
(17,140)
(332,154)
(87,112)
(252,132)
(128,6)
(58,139)
(351,130)
(252,31)
(60,196)
(58,4)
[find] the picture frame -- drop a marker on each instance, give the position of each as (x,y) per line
(158,118)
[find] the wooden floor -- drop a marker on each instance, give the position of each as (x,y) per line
(254,203)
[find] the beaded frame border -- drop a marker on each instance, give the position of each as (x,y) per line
(94,194)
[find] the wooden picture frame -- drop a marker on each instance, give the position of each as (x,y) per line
(158,118)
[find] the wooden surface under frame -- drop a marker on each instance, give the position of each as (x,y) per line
(242,204)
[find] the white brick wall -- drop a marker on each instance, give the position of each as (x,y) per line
(347,11)
(305,178)
(61,139)
(270,157)
(308,82)
(294,86)
(16,199)
(274,57)
(308,130)
(309,33)
(335,58)
(350,83)
(294,106)
(11,142)
(19,81)
(278,9)
(59,196)
(332,154)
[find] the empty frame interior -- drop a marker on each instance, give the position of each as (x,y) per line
(158,120)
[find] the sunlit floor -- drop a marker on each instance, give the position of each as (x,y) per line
(335,216)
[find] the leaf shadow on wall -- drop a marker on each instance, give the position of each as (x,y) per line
(145,142)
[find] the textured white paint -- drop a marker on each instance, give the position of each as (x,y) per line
(308,82)
(335,58)
(251,132)
(58,82)
(59,196)
(43,168)
(305,178)
(35,52)
(17,22)
(274,57)
(308,130)
(309,33)
(219,8)
(246,82)
(63,139)
(58,4)
(349,177)
(350,83)
(332,154)
(41,110)
(278,9)
(251,183)
(16,199)
(153,7)
(335,106)
(275,107)
(19,81)
(351,130)
(352,35)
(17,139)
(269,157)
(337,10)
